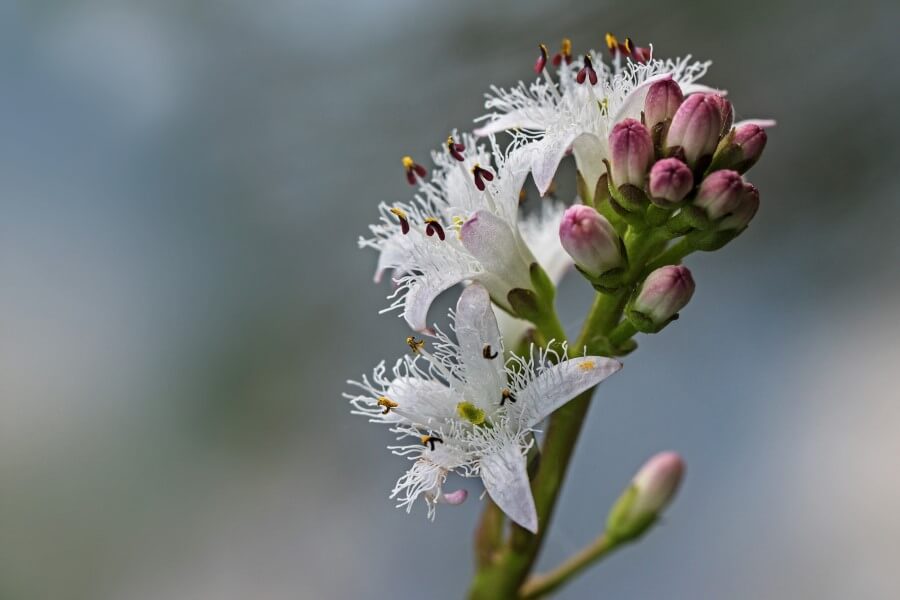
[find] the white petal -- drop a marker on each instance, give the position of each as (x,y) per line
(548,153)
(559,384)
(420,401)
(698,88)
(424,289)
(633,103)
(511,329)
(517,119)
(764,123)
(506,481)
(477,333)
(589,151)
(491,240)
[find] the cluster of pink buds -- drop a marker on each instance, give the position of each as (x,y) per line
(678,171)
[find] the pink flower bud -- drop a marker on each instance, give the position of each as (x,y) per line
(631,150)
(652,489)
(696,126)
(720,193)
(745,210)
(751,139)
(670,181)
(663,99)
(590,240)
(665,291)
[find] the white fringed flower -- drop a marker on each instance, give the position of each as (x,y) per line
(463,225)
(471,413)
(580,116)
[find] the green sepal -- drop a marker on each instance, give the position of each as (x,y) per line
(583,192)
(633,219)
(525,304)
(631,197)
(656,215)
(621,525)
(542,284)
(626,348)
(710,241)
(644,323)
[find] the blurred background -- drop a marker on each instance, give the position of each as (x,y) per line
(181,300)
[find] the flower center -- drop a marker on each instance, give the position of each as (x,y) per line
(471,413)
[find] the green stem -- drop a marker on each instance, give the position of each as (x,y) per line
(489,533)
(541,585)
(623,332)
(671,256)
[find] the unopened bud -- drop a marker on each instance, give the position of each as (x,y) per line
(590,240)
(726,111)
(663,99)
(720,193)
(665,291)
(670,182)
(751,139)
(651,490)
(746,209)
(631,150)
(696,127)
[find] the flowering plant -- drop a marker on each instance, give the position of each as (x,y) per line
(660,174)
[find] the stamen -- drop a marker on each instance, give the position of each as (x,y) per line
(413,169)
(455,149)
(612,44)
(587,72)
(387,403)
(404,219)
(429,440)
(541,61)
(414,344)
(433,226)
(505,395)
(487,353)
(481,175)
(470,413)
(564,54)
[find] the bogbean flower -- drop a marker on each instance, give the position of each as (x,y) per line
(463,225)
(469,412)
(578,110)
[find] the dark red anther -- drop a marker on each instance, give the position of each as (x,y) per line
(401,216)
(413,169)
(587,72)
(541,61)
(564,54)
(481,175)
(433,226)
(455,149)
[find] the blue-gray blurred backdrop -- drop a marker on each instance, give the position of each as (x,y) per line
(181,300)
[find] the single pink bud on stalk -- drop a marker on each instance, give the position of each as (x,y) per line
(652,489)
(670,181)
(590,240)
(663,99)
(631,151)
(720,193)
(696,127)
(665,291)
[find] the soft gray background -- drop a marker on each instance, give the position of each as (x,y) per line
(181,300)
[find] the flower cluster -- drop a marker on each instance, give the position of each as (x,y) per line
(661,167)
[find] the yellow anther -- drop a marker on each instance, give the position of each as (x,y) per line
(587,365)
(470,413)
(414,344)
(408,162)
(566,46)
(430,440)
(399,212)
(387,403)
(611,41)
(505,395)
(629,45)
(432,220)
